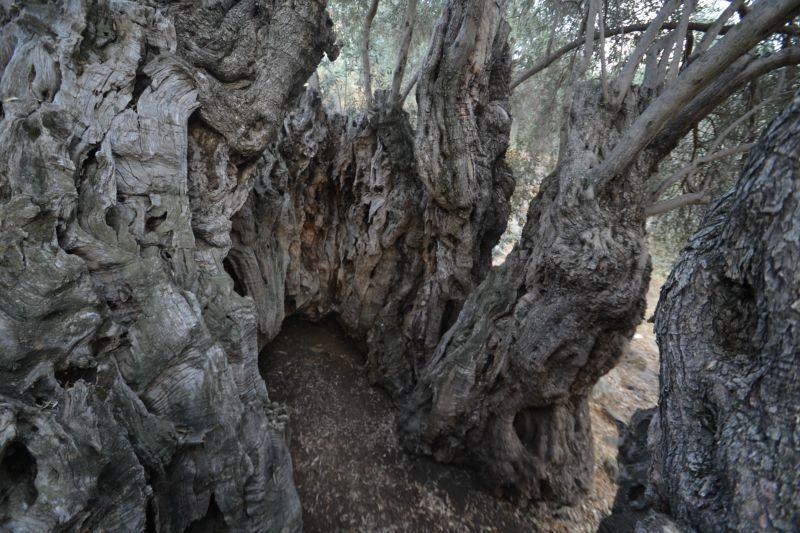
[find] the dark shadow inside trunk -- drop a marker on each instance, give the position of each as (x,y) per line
(17,479)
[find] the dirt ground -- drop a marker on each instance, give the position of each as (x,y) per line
(352,474)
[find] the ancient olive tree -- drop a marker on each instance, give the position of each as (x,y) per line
(506,387)
(720,449)
(725,442)
(386,226)
(129,389)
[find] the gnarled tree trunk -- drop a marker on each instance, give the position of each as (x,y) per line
(460,142)
(506,388)
(388,228)
(129,390)
(724,443)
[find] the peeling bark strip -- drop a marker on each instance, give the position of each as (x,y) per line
(726,441)
(129,389)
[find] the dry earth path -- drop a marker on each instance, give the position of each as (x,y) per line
(353,476)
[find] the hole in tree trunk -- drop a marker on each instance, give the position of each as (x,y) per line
(449,316)
(212,522)
(531,425)
(230,267)
(17,480)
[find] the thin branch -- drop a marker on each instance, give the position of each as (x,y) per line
(603,66)
(410,85)
(579,69)
(717,26)
(692,198)
(591,17)
(624,30)
(366,76)
(735,76)
(680,37)
(402,55)
(685,172)
(625,79)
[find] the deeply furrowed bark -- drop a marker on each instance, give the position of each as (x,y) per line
(506,388)
(334,223)
(387,228)
(460,142)
(129,390)
(725,442)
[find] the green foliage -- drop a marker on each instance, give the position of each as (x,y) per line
(340,81)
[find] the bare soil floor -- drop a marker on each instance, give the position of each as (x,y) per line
(352,474)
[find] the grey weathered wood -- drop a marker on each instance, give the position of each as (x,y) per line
(387,227)
(725,442)
(720,451)
(506,388)
(129,389)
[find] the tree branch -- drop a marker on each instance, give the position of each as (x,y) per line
(623,82)
(687,170)
(632,28)
(366,76)
(760,22)
(740,72)
(603,65)
(402,55)
(717,26)
(410,85)
(692,198)
(680,37)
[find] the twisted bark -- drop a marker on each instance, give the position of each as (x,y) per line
(724,443)
(506,388)
(385,227)
(129,390)
(460,142)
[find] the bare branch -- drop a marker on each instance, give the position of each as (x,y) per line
(366,76)
(591,17)
(717,26)
(603,67)
(680,37)
(410,85)
(692,198)
(699,74)
(724,85)
(623,82)
(579,69)
(685,172)
(402,55)
(613,32)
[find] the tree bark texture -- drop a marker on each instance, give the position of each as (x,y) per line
(385,226)
(724,443)
(506,389)
(129,389)
(334,223)
(460,141)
